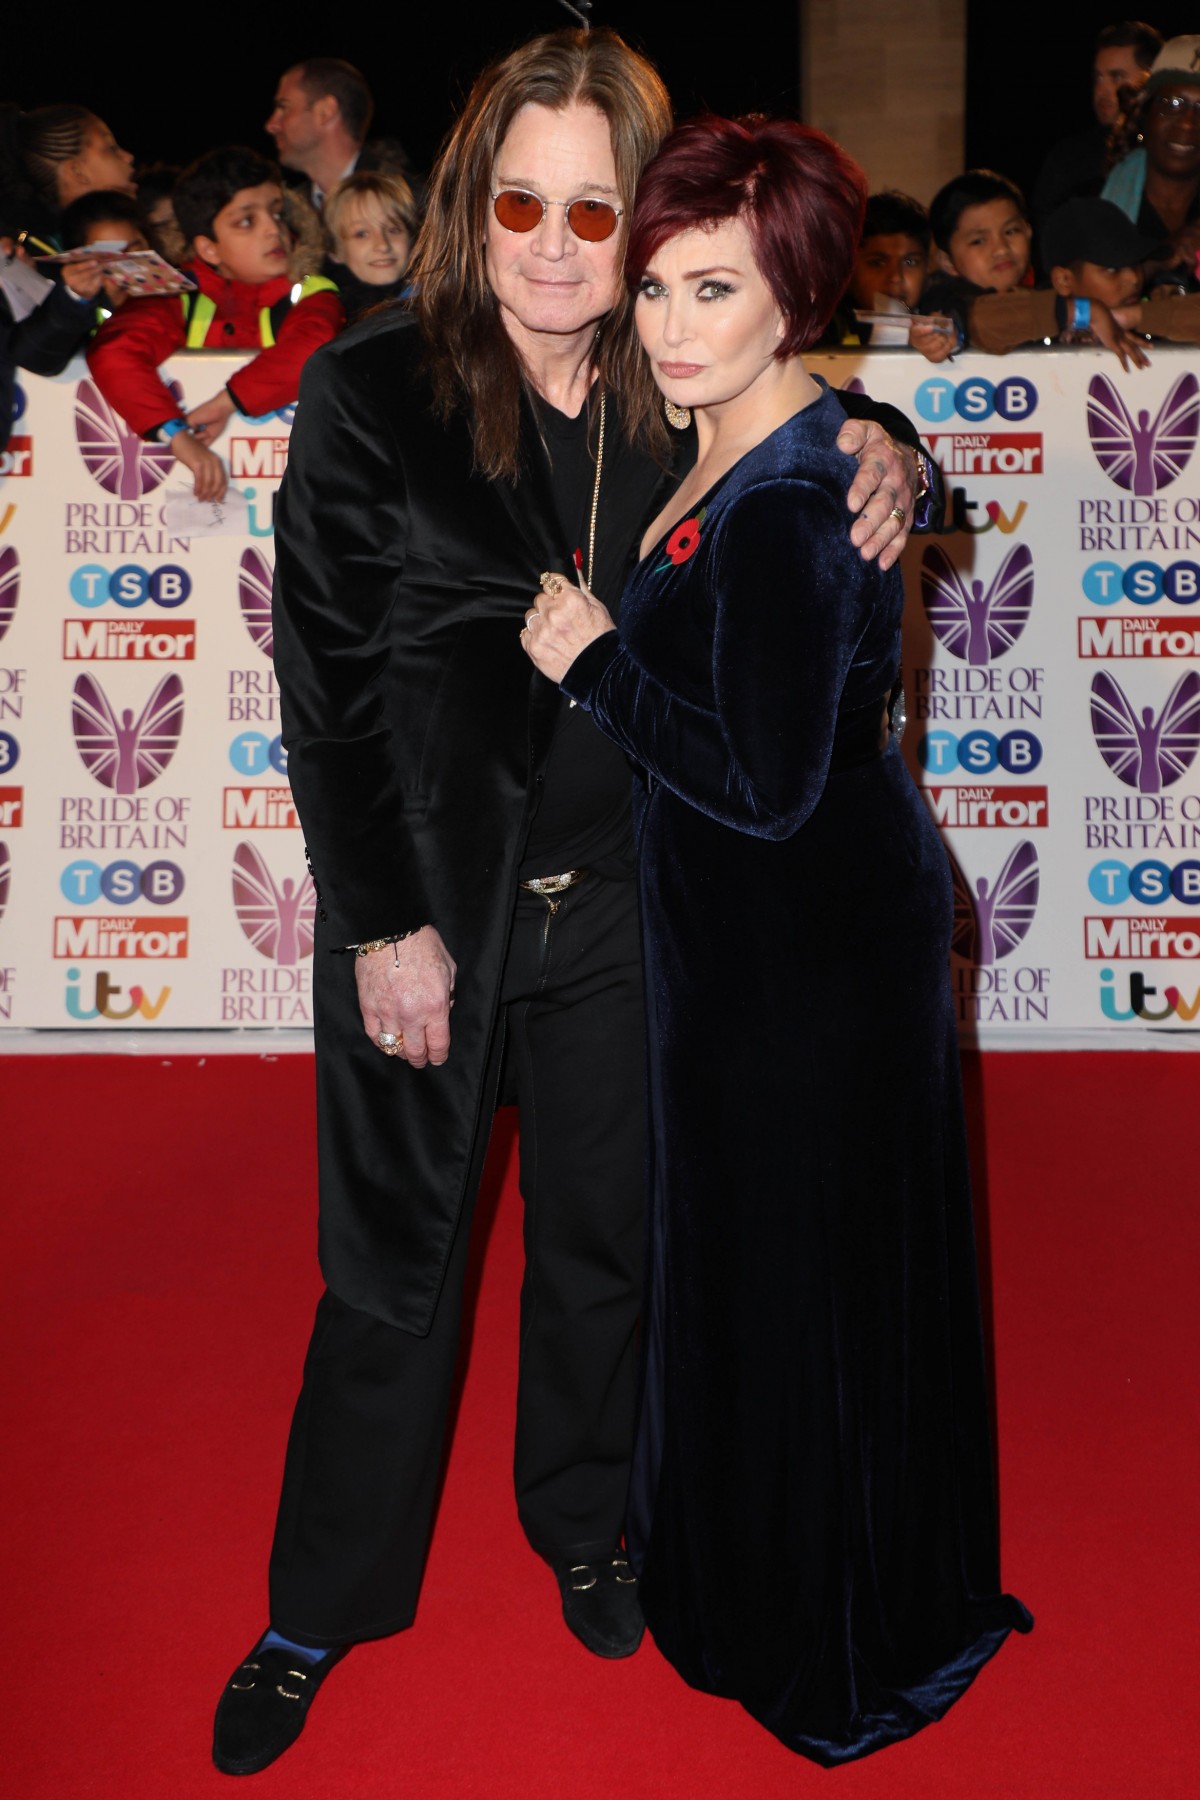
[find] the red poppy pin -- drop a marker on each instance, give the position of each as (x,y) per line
(683,542)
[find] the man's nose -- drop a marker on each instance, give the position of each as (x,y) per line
(553,237)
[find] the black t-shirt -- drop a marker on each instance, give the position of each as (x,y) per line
(583,818)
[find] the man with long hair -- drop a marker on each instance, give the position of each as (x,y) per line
(470,839)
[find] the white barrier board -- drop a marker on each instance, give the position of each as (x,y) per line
(152,875)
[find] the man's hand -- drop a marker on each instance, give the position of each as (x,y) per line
(562,621)
(209,421)
(412,1000)
(886,485)
(208,469)
(1106,330)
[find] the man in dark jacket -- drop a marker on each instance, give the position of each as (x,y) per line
(471,843)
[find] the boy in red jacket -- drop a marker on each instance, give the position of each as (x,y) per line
(229,205)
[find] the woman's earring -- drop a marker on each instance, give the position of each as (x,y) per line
(678,416)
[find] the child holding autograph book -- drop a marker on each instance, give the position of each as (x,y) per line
(230,207)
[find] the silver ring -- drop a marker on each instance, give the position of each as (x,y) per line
(898,513)
(389,1043)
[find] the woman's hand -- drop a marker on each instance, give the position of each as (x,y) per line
(562,621)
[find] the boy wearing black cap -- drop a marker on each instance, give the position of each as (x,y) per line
(1095,255)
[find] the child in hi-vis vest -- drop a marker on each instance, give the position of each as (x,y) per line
(230,208)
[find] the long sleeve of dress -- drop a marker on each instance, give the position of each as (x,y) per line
(341,531)
(789,599)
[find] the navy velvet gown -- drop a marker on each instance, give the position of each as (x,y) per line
(813,1515)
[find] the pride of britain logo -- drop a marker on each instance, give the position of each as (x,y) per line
(277,917)
(1145,749)
(123,752)
(10,586)
(123,463)
(990,922)
(254,597)
(5,876)
(1145,454)
(976,623)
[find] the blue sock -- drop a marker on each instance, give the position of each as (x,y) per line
(272,1640)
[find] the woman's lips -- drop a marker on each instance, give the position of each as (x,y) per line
(680,371)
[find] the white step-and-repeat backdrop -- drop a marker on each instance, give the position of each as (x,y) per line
(151,865)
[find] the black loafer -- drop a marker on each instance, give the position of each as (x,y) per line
(264,1706)
(600,1603)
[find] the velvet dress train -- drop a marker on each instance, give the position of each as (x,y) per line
(813,1515)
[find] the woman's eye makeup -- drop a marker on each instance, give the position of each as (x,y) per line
(652,290)
(714,289)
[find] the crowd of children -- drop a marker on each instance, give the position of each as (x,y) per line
(264,272)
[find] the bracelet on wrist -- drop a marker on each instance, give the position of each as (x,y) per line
(171,429)
(1081,314)
(383,943)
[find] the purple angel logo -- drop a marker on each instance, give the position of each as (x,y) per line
(1143,457)
(5,876)
(278,920)
(125,753)
(973,624)
(1147,753)
(10,586)
(254,593)
(989,924)
(123,463)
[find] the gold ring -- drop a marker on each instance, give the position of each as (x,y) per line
(390,1042)
(551,584)
(898,513)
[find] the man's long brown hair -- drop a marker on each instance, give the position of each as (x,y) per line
(472,361)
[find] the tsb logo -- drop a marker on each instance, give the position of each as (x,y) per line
(121,883)
(130,585)
(10,752)
(253,753)
(1153,883)
(941,401)
(1145,583)
(979,752)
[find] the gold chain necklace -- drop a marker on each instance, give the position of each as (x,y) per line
(591,557)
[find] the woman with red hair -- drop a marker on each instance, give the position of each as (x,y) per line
(813,1513)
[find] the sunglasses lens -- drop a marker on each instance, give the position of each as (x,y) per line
(517,211)
(593,220)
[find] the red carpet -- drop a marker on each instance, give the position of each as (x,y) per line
(159,1274)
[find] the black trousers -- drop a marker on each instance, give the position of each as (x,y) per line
(364,1456)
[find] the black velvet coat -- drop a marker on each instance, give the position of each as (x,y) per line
(813,1517)
(417,735)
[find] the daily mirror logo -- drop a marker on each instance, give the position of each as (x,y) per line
(1143,455)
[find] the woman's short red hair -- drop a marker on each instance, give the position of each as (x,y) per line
(801,196)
